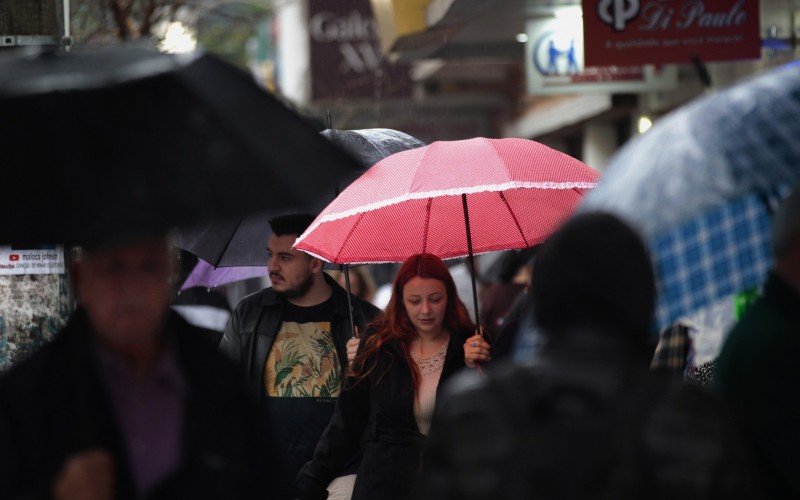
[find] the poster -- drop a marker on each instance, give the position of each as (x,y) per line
(44,260)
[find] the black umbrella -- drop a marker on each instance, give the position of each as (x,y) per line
(371,145)
(243,241)
(120,142)
(240,241)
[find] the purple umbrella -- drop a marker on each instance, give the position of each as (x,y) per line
(208,276)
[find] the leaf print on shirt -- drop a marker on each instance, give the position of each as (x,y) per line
(287,362)
(303,362)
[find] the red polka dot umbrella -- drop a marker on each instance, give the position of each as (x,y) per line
(451,199)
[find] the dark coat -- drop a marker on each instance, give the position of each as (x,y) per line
(257,320)
(584,421)
(758,373)
(55,404)
(378,415)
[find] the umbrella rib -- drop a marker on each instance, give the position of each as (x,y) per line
(376,148)
(427,224)
(513,216)
(347,238)
(218,260)
(500,157)
(419,165)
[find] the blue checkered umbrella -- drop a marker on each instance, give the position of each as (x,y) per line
(702,184)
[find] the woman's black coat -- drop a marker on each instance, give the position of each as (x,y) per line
(376,414)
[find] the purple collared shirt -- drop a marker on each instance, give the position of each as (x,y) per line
(149,413)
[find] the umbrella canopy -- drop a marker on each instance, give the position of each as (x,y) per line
(126,141)
(237,242)
(371,145)
(701,186)
(518,192)
(207,276)
(451,199)
(243,241)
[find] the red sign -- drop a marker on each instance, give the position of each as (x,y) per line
(631,32)
(13,257)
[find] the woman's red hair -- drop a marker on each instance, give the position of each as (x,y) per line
(395,324)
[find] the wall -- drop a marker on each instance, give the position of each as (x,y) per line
(32,309)
(294,66)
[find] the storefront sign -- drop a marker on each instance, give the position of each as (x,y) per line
(26,261)
(555,63)
(346,59)
(625,32)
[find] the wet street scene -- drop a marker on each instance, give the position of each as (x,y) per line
(399,249)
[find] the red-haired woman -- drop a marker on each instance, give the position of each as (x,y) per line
(385,407)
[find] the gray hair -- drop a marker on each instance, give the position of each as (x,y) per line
(786,227)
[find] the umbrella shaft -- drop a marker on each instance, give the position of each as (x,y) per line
(349,300)
(471,259)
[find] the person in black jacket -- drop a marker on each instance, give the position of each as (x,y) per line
(585,420)
(290,341)
(129,401)
(390,393)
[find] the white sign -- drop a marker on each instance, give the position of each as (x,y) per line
(554,63)
(27,261)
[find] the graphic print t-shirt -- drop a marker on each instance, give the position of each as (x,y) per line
(303,362)
(302,379)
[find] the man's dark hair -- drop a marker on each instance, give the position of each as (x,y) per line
(288,224)
(595,273)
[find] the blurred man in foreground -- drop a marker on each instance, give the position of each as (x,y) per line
(129,400)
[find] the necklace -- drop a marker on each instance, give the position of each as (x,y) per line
(433,363)
(441,339)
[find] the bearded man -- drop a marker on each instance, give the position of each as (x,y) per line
(290,341)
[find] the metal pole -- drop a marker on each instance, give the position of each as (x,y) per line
(471,261)
(66,18)
(67,40)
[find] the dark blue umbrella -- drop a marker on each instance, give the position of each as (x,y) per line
(701,187)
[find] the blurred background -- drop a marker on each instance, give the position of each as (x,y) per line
(435,69)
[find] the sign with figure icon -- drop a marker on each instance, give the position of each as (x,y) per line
(555,62)
(624,32)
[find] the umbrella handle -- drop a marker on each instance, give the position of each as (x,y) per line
(478,368)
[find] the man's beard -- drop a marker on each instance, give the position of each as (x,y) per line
(301,289)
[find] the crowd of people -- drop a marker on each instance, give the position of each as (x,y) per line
(130,401)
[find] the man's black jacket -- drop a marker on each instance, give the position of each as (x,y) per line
(297,422)
(257,320)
